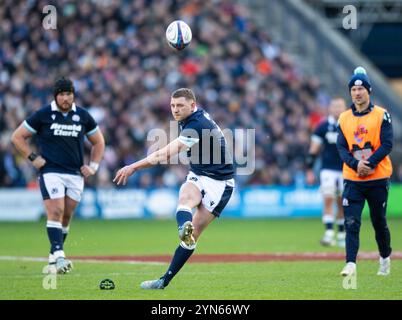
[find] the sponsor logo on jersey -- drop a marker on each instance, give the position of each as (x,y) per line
(66,130)
(360,132)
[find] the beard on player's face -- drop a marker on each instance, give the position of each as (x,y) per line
(64,101)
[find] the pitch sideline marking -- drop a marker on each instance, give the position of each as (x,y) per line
(212,258)
(39,259)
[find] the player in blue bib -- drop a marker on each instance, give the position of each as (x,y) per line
(323,142)
(60,130)
(209,184)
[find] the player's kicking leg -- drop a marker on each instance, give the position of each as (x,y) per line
(202,218)
(189,197)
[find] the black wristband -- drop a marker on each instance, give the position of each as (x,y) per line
(32,156)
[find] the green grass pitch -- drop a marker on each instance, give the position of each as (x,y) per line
(241,281)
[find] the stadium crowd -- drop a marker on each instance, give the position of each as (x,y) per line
(124,72)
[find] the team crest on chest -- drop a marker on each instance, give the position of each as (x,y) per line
(53,116)
(76,117)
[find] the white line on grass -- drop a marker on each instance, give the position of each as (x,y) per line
(40,259)
(74,274)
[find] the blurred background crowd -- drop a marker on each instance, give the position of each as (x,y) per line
(124,71)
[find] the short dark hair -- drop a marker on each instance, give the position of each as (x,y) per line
(184,92)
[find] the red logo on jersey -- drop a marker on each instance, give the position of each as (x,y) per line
(360,133)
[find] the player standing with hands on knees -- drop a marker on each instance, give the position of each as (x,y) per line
(364,142)
(208,186)
(60,128)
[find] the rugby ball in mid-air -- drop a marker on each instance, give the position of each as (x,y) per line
(178,35)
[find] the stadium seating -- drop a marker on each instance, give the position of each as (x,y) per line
(124,72)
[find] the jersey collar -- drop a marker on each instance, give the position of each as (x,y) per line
(368,110)
(56,108)
(331,119)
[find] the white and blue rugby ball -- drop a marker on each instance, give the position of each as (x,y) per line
(178,35)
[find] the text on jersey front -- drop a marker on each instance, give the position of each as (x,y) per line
(66,130)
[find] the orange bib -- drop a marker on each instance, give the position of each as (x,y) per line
(363,137)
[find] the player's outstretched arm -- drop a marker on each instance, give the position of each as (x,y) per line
(98,148)
(160,156)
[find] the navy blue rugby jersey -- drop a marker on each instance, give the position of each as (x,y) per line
(60,137)
(326,134)
(208,151)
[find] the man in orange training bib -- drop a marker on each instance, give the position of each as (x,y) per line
(364,143)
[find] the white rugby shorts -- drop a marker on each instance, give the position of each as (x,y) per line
(58,185)
(331,183)
(215,193)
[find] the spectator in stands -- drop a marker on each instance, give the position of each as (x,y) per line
(117,56)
